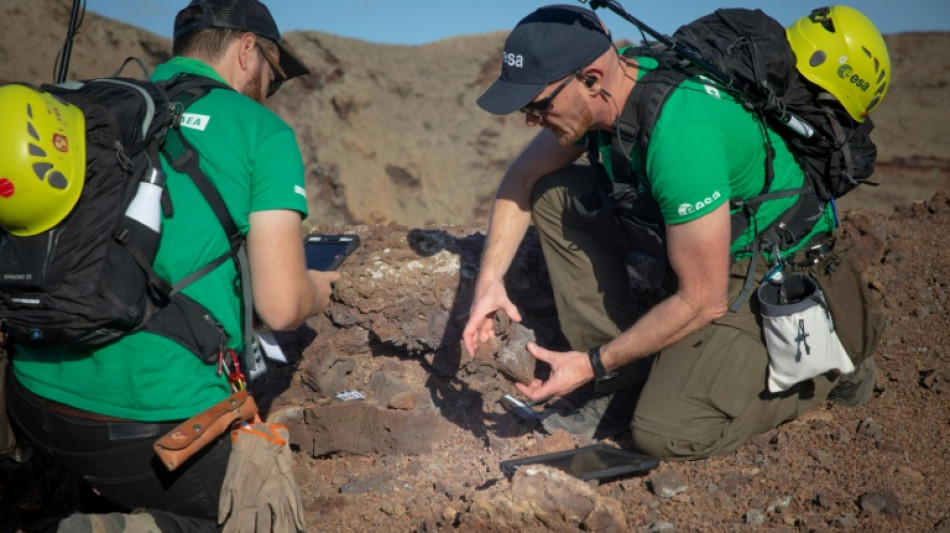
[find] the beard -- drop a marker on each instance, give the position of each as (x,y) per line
(568,134)
(255,87)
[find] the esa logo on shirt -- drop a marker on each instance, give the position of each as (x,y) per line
(195,121)
(688,209)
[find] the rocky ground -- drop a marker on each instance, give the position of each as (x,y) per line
(421,452)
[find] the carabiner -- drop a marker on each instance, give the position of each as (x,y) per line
(776,274)
(236,377)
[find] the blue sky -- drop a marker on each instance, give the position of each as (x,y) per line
(423,21)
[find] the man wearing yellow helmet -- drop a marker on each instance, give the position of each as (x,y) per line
(650,295)
(98,412)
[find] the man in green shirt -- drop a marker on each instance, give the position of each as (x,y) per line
(703,370)
(99,412)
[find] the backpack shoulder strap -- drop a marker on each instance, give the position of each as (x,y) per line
(184,90)
(640,112)
(639,116)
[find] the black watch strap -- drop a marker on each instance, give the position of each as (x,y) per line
(600,372)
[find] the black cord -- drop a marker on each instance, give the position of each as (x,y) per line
(76,17)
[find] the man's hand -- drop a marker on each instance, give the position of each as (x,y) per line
(569,370)
(323,287)
(489,298)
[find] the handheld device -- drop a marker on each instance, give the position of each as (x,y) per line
(519,408)
(597,461)
(327,252)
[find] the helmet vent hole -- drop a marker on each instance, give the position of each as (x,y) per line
(57,180)
(819,14)
(867,52)
(29,110)
(40,169)
(817,58)
(881,77)
(32,131)
(36,151)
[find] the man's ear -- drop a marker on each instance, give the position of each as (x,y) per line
(246,50)
(593,78)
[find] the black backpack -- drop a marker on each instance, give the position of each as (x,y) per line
(89,280)
(746,53)
(752,59)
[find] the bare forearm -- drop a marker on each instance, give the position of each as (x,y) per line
(699,254)
(508,224)
(286,304)
(664,325)
(511,211)
(285,293)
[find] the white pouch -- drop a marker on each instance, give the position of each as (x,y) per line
(799,332)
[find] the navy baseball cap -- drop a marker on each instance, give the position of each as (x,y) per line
(545,46)
(241,15)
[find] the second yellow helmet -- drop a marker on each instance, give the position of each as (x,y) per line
(840,50)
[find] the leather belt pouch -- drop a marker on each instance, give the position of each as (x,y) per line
(185,440)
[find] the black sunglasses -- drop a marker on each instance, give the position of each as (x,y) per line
(543,106)
(279,75)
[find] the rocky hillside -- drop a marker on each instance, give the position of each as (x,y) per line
(392,133)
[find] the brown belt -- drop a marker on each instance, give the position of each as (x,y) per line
(69,410)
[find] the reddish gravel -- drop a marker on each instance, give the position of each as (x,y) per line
(421,452)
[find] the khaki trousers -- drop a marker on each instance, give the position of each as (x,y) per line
(705,395)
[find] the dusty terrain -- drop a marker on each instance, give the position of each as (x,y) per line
(421,452)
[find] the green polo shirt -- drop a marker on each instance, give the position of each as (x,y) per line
(252,158)
(705,149)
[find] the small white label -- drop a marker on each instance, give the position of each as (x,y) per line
(194,121)
(349,395)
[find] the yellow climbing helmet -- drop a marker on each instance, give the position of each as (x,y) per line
(42,159)
(840,50)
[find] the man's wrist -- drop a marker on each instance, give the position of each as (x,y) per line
(600,371)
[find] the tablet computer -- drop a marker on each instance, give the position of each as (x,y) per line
(327,252)
(597,461)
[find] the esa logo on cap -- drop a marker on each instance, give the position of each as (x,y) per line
(512,60)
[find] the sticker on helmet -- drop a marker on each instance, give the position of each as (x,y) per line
(61,142)
(7,189)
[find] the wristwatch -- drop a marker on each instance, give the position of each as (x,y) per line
(600,372)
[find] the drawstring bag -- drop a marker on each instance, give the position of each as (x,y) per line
(799,332)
